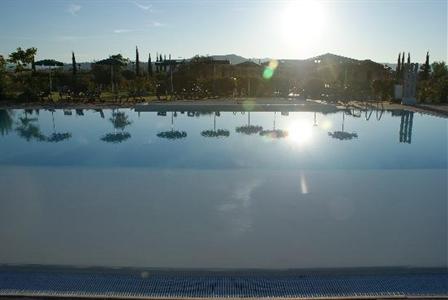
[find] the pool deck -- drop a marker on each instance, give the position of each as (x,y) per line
(239,105)
(259,104)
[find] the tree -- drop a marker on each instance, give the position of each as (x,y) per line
(2,63)
(398,66)
(425,69)
(409,58)
(74,68)
(114,64)
(383,89)
(435,89)
(149,65)
(439,70)
(137,62)
(21,58)
(402,63)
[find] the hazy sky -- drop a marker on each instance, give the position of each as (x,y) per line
(95,29)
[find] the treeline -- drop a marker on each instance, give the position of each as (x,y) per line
(328,77)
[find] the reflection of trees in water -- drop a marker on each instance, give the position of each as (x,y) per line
(172,134)
(30,132)
(407,119)
(342,135)
(249,129)
(6,121)
(215,132)
(115,138)
(57,137)
(274,133)
(119,120)
(27,130)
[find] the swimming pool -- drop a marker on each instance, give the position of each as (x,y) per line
(223,190)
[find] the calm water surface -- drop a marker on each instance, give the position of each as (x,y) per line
(223,190)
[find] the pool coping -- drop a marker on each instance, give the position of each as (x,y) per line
(140,283)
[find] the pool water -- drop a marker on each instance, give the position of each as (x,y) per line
(267,190)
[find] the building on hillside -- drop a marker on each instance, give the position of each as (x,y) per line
(248,69)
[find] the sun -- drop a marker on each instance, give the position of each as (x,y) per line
(302,22)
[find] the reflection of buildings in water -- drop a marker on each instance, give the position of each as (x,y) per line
(407,118)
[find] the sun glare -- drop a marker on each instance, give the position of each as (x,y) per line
(302,21)
(300,133)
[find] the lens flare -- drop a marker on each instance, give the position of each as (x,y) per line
(269,71)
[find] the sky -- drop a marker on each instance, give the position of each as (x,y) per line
(95,29)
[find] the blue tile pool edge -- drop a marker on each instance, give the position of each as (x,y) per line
(169,284)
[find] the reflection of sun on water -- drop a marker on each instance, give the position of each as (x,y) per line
(326,124)
(300,132)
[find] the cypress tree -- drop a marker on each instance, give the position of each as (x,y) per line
(74,69)
(409,58)
(149,65)
(398,70)
(402,65)
(427,67)
(137,62)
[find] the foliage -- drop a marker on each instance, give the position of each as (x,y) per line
(137,63)
(3,78)
(21,57)
(74,67)
(435,88)
(202,77)
(383,89)
(425,69)
(2,63)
